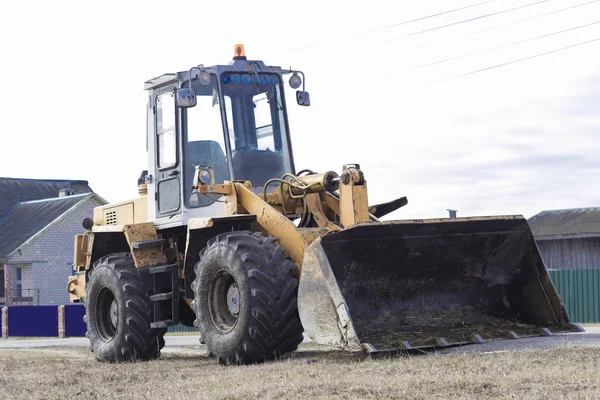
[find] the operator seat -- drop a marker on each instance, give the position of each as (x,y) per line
(257,166)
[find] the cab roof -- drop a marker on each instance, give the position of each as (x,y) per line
(233,66)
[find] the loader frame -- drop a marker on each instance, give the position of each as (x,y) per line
(161,248)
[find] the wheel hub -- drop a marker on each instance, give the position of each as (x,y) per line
(114,313)
(106,314)
(233,299)
(224,300)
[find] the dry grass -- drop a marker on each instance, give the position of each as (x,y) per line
(310,373)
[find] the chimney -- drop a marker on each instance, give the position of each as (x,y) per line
(452,213)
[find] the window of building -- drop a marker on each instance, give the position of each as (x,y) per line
(17,282)
(2,284)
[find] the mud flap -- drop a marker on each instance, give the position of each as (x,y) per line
(423,283)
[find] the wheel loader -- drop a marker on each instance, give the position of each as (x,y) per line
(228,237)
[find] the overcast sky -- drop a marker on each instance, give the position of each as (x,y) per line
(516,139)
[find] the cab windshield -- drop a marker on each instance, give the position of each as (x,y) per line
(257,132)
(204,141)
(257,128)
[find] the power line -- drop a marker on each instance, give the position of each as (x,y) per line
(516,61)
(406,22)
(426,17)
(523,20)
(469,20)
(456,23)
(500,47)
(534,17)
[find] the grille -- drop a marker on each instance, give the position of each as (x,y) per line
(110,217)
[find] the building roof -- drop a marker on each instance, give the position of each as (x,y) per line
(571,223)
(16,190)
(27,219)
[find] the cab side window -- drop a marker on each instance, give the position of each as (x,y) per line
(165,130)
(263,122)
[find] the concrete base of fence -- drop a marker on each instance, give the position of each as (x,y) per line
(5,322)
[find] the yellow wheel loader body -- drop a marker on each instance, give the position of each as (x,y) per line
(221,187)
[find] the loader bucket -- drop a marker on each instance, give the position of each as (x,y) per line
(423,283)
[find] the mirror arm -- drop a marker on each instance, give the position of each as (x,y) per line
(303,80)
(200,68)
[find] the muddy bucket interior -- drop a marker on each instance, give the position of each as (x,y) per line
(435,282)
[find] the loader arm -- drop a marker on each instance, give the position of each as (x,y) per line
(272,222)
(312,194)
(241,199)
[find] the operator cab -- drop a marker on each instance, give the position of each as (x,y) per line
(230,117)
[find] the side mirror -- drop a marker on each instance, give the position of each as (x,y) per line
(303,98)
(186,97)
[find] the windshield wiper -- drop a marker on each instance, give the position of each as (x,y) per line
(261,87)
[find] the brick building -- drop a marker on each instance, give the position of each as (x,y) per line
(36,237)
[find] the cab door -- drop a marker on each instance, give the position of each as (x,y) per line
(167,158)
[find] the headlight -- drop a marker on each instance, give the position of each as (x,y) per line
(204,176)
(295,81)
(204,78)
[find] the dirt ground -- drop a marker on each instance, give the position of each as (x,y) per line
(312,372)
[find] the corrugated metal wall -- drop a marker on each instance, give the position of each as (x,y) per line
(580,291)
(583,253)
(74,325)
(33,321)
(183,328)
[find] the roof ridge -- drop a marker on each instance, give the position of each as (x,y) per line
(570,209)
(57,198)
(45,180)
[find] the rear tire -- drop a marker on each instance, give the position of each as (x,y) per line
(119,312)
(245,299)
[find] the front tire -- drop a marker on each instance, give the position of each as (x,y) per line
(245,299)
(119,312)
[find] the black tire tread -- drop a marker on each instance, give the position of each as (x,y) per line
(275,327)
(141,342)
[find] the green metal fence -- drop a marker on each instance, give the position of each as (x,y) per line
(183,328)
(580,291)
